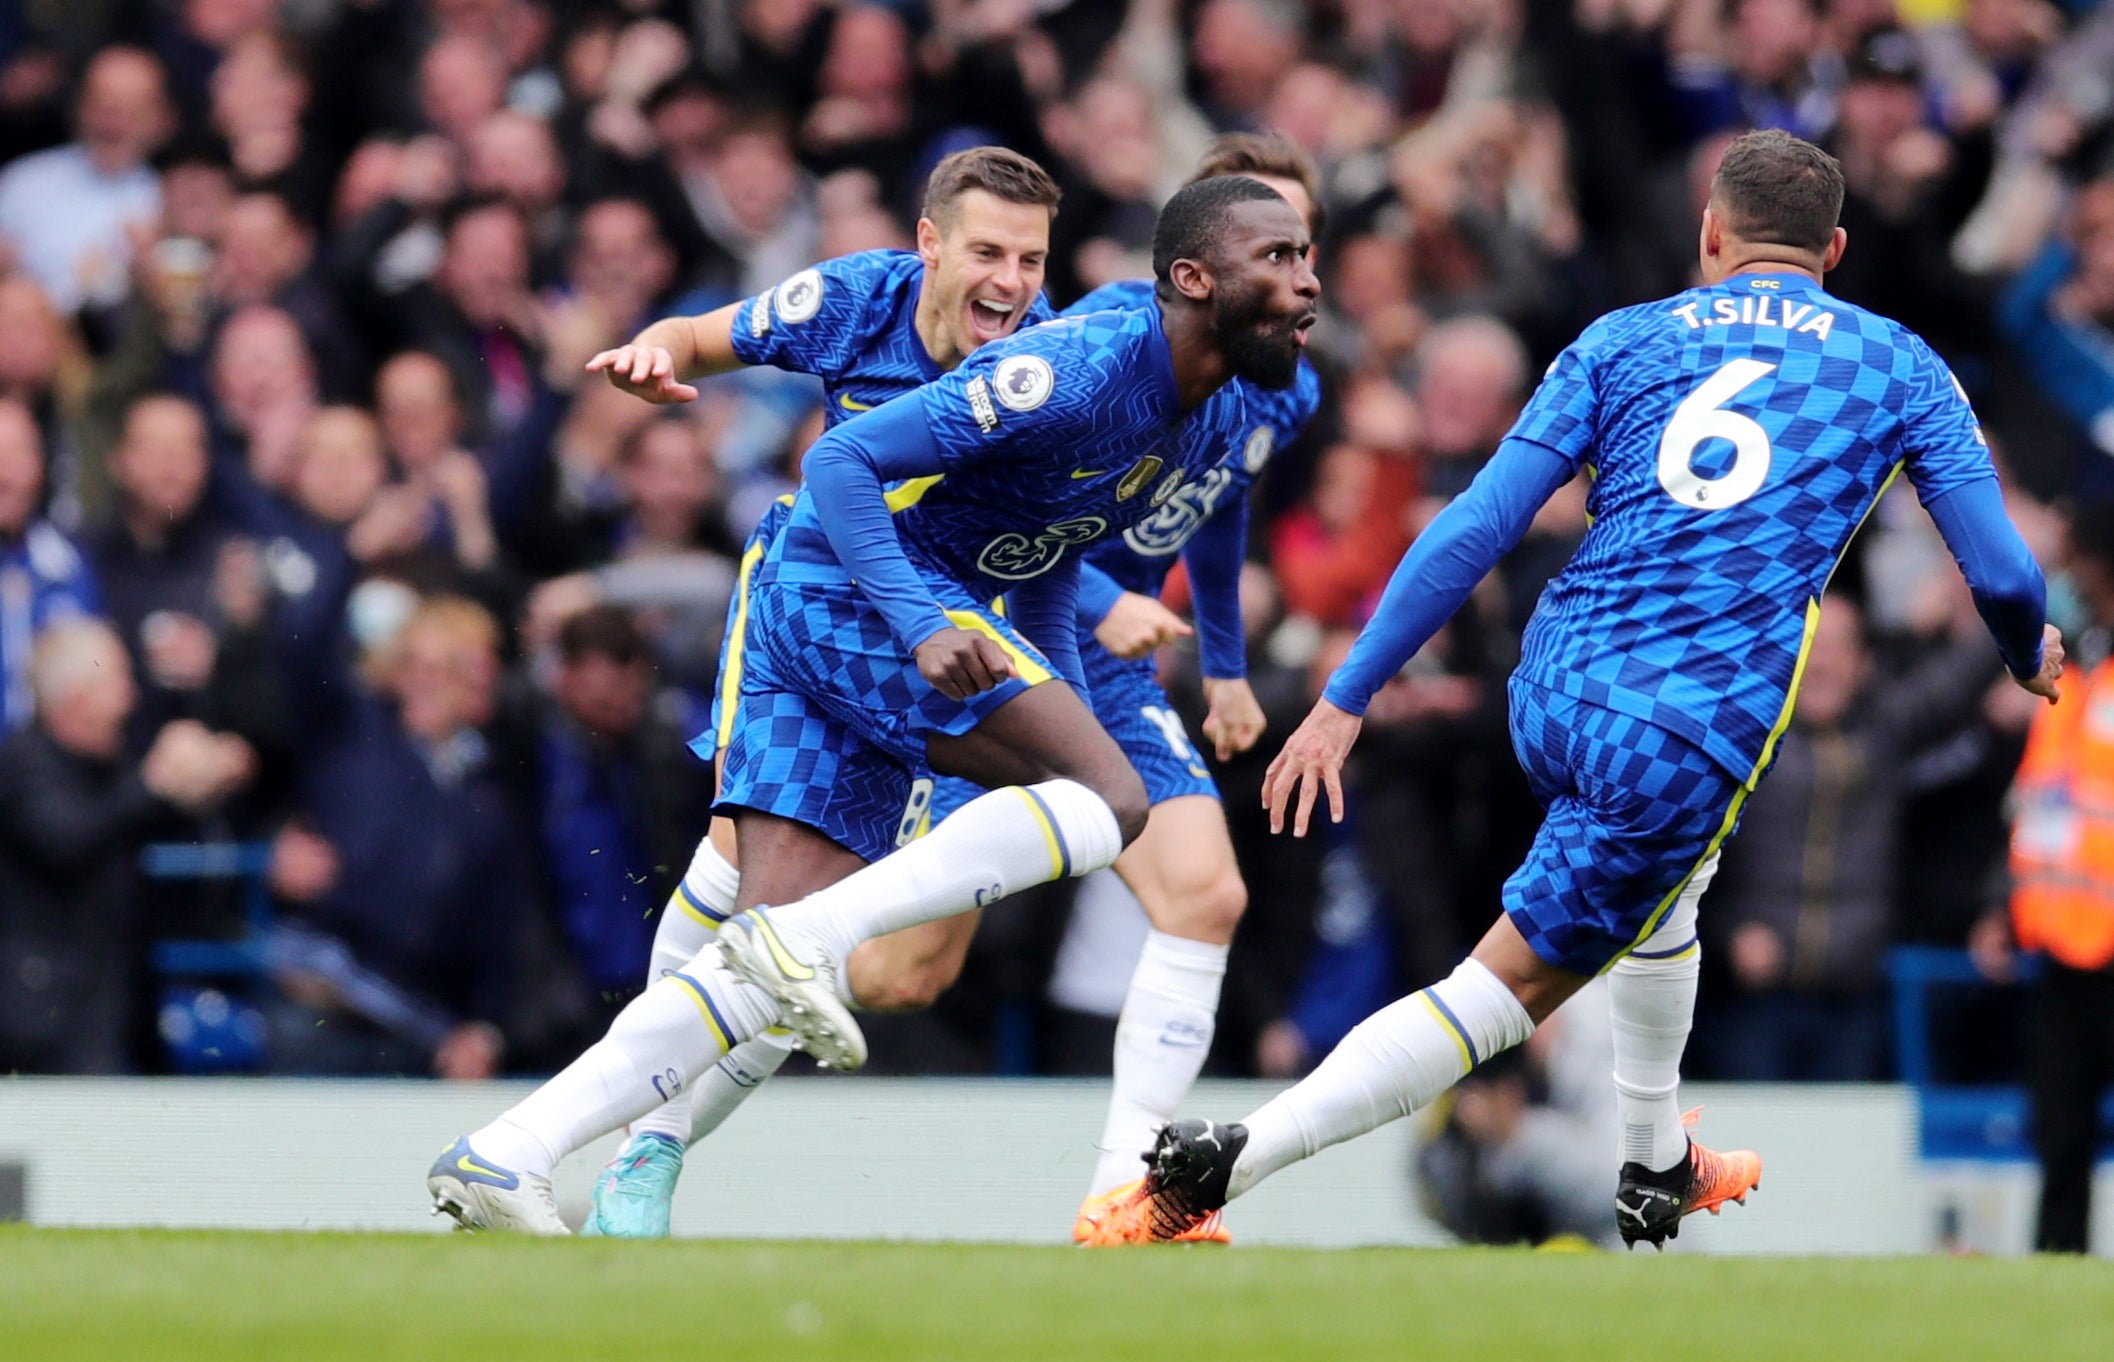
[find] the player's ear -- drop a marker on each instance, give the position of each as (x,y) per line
(929,242)
(1191,280)
(1832,256)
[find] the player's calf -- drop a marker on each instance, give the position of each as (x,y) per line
(907,971)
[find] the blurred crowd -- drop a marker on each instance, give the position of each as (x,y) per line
(315,537)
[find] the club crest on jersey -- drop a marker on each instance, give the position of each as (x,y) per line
(1023,382)
(1142,472)
(1166,488)
(979,394)
(800,297)
(1254,454)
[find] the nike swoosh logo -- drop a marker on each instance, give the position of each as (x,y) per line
(788,964)
(1078,473)
(850,403)
(470,1165)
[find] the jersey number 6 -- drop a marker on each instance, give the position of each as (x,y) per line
(1701,417)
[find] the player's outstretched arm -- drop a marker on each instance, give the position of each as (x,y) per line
(2009,591)
(1456,551)
(659,359)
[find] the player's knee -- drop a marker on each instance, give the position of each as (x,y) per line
(1205,908)
(1124,793)
(910,987)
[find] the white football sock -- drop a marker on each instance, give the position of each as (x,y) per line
(689,923)
(1161,1040)
(670,1034)
(1392,1063)
(997,843)
(727,1084)
(1652,997)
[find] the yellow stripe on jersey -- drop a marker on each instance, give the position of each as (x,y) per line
(1028,669)
(730,665)
(910,493)
(1776,733)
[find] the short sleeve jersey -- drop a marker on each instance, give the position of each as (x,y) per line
(851,322)
(1737,436)
(1058,437)
(1140,559)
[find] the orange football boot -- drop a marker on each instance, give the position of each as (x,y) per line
(1118,1217)
(1649,1206)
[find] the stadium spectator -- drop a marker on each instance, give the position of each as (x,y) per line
(1804,903)
(406,855)
(485,191)
(74,813)
(43,577)
(182,587)
(2057,313)
(621,798)
(66,213)
(2062,905)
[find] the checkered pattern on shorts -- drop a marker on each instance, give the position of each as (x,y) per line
(832,716)
(1138,715)
(1633,811)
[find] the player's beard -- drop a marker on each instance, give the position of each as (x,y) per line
(1258,351)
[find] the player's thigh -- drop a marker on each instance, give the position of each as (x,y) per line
(1614,854)
(790,859)
(1045,732)
(907,970)
(1183,870)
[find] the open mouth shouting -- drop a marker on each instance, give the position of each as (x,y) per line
(992,318)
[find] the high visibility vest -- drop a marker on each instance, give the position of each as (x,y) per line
(2062,833)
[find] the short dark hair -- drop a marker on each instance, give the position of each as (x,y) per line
(1779,190)
(1263,153)
(608,631)
(999,171)
(1194,220)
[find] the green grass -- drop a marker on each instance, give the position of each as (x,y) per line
(162,1297)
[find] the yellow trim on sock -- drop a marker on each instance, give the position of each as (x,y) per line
(1049,832)
(704,1009)
(1431,1005)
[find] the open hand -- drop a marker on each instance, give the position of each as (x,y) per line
(1312,761)
(644,371)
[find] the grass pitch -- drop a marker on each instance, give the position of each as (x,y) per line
(168,1297)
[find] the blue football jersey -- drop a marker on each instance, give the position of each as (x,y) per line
(1051,440)
(1737,436)
(43,580)
(1146,552)
(851,322)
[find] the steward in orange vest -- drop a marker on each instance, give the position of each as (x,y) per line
(2062,838)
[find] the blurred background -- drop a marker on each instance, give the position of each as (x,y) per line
(349,637)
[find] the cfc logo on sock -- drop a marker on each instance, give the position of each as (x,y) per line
(990,894)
